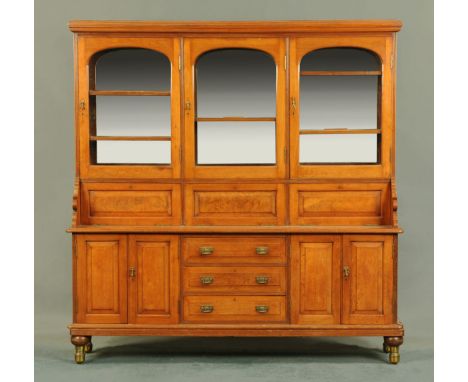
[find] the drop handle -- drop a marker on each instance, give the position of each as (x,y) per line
(346,272)
(206,308)
(262,309)
(206,251)
(206,280)
(261,280)
(261,250)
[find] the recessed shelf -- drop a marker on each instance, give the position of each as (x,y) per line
(129,93)
(341,131)
(341,73)
(129,138)
(236,119)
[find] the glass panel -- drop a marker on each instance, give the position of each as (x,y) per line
(132,152)
(134,116)
(133,69)
(338,102)
(236,82)
(340,59)
(236,143)
(338,148)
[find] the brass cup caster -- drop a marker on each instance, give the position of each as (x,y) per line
(79,354)
(386,348)
(394,356)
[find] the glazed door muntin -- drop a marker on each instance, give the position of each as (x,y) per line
(381,47)
(195,48)
(89,47)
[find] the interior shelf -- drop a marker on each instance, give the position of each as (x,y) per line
(341,131)
(236,119)
(129,138)
(341,73)
(129,93)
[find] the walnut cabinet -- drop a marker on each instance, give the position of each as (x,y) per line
(235,179)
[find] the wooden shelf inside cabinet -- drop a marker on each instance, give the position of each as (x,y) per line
(341,73)
(152,93)
(236,119)
(129,138)
(340,131)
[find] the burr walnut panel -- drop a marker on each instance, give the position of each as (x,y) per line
(131,203)
(235,204)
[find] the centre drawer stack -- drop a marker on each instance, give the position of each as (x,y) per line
(234,279)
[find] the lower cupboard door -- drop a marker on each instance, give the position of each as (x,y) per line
(315,279)
(101,279)
(368,272)
(153,284)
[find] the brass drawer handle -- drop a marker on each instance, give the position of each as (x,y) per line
(261,250)
(205,280)
(206,308)
(261,308)
(261,279)
(206,251)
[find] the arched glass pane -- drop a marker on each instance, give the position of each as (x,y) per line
(236,83)
(133,69)
(339,90)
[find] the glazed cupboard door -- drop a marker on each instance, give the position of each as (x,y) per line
(315,279)
(341,107)
(234,107)
(101,279)
(368,280)
(128,107)
(153,279)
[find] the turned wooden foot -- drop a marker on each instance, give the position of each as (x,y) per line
(89,346)
(392,346)
(81,343)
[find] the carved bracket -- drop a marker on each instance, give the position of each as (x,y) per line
(76,191)
(394,203)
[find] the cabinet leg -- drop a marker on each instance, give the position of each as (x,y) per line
(392,346)
(81,343)
(89,346)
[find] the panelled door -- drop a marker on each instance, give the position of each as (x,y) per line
(101,279)
(368,271)
(153,279)
(315,279)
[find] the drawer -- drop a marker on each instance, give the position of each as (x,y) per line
(212,309)
(340,203)
(235,280)
(235,204)
(234,250)
(130,203)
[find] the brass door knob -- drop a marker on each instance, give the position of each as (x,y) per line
(346,272)
(206,251)
(261,250)
(262,308)
(261,279)
(206,308)
(206,280)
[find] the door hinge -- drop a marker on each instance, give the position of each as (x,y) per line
(285,153)
(180,63)
(285,62)
(391,61)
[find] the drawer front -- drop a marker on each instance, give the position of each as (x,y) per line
(235,204)
(212,309)
(340,204)
(133,204)
(234,250)
(261,280)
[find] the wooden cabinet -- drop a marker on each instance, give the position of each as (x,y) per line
(235,179)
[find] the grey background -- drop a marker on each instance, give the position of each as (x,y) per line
(231,359)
